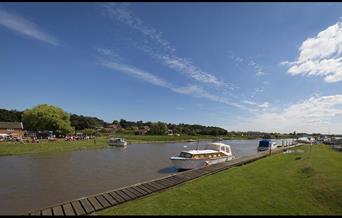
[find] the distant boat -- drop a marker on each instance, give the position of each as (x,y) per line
(191,140)
(305,139)
(213,153)
(266,144)
(117,142)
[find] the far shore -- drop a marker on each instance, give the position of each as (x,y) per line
(17,148)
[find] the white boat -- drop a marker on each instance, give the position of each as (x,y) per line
(213,153)
(306,139)
(117,142)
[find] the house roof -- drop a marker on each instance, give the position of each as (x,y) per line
(11,125)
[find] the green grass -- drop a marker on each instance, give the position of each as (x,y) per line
(283,184)
(101,142)
(44,146)
(17,148)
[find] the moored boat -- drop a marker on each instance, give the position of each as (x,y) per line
(117,142)
(212,154)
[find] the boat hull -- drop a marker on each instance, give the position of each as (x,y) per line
(188,163)
(119,144)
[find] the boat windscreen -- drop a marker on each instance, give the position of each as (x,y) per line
(264,144)
(184,154)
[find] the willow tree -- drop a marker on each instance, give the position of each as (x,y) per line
(47,117)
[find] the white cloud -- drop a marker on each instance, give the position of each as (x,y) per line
(320,55)
(191,90)
(316,114)
(257,68)
(260,73)
(264,105)
(159,48)
(145,76)
(249,102)
(25,27)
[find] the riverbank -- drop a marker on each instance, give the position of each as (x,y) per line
(16,148)
(306,183)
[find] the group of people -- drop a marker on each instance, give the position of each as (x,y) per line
(35,139)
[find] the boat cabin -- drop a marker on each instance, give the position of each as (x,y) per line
(219,147)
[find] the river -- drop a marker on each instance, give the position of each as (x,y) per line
(35,181)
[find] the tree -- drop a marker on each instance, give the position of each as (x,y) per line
(158,128)
(10,115)
(84,122)
(47,117)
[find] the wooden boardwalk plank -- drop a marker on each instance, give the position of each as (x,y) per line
(163,183)
(132,190)
(144,188)
(35,213)
(102,201)
(123,195)
(150,187)
(110,199)
(87,206)
(95,203)
(117,197)
(169,182)
(139,189)
(78,208)
(68,211)
(175,180)
(47,212)
(156,185)
(58,211)
(129,194)
(182,177)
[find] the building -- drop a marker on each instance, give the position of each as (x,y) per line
(15,129)
(143,130)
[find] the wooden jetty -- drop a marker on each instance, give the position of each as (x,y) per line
(90,204)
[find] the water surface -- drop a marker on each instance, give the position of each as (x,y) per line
(40,180)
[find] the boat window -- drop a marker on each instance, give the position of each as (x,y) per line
(228,151)
(184,154)
(223,148)
(264,144)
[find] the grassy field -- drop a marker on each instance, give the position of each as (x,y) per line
(44,146)
(283,184)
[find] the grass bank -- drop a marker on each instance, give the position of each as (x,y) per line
(283,184)
(45,146)
(101,142)
(16,148)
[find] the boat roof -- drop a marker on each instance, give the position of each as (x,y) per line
(218,144)
(207,151)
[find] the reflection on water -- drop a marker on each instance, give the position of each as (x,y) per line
(35,181)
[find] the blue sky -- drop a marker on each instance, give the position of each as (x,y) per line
(273,67)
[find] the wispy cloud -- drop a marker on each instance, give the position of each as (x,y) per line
(316,114)
(25,27)
(248,62)
(320,55)
(156,46)
(191,90)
